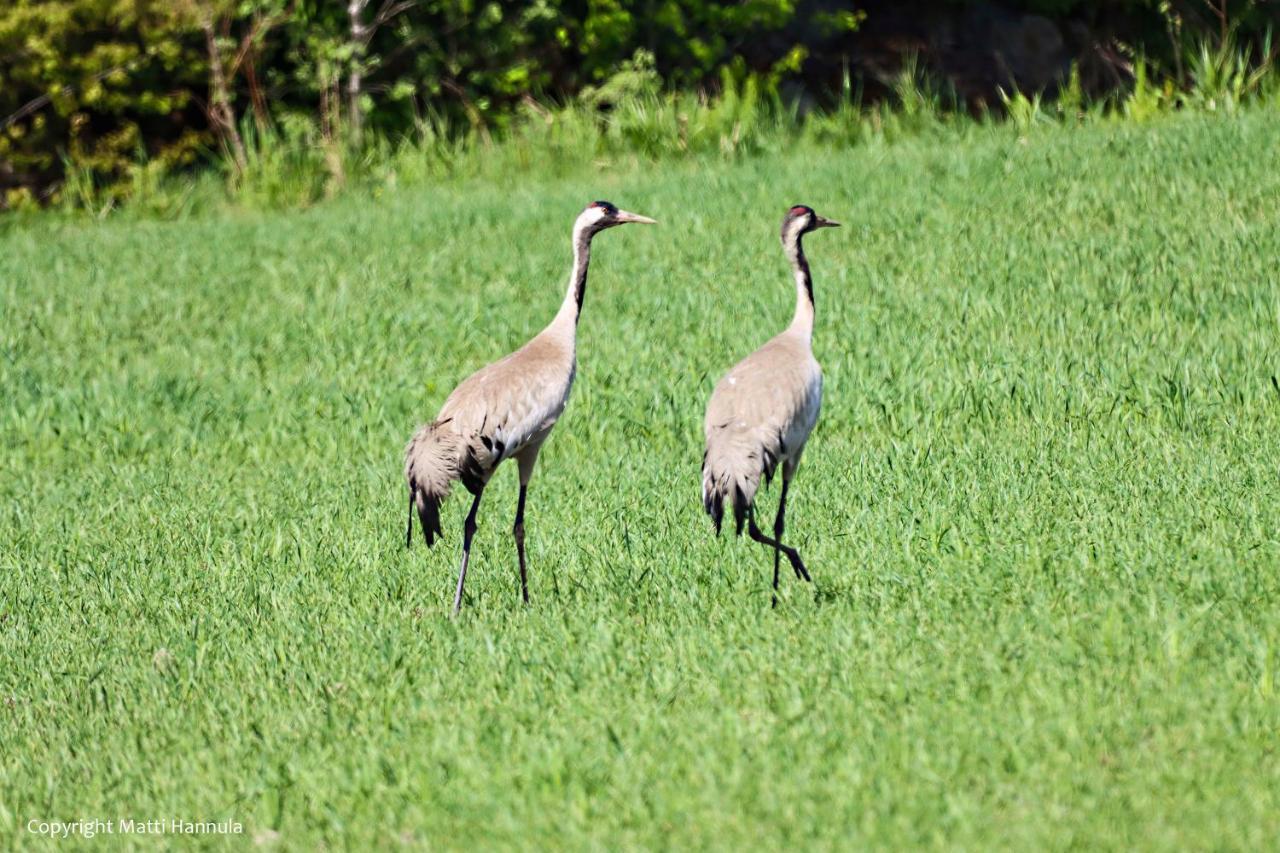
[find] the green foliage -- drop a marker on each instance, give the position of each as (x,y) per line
(1227,74)
(1040,507)
(104,98)
(288,167)
(94,82)
(1147,98)
(621,122)
(1023,112)
(133,79)
(693,38)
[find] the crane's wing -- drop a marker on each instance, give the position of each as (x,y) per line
(503,407)
(759,414)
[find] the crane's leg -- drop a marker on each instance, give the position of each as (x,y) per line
(526,460)
(468,530)
(777,557)
(778,525)
(408,536)
(779,522)
(793,556)
(518,532)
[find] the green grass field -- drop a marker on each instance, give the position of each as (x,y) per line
(1041,511)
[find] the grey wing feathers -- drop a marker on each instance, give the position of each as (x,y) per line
(732,465)
(489,417)
(500,409)
(431,464)
(762,407)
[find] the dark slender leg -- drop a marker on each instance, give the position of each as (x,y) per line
(408,536)
(777,556)
(468,530)
(793,556)
(778,525)
(518,532)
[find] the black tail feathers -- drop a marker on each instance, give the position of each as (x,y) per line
(713,503)
(428,508)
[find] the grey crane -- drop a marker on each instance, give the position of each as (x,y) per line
(504,411)
(762,411)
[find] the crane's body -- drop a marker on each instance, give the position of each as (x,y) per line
(504,411)
(761,413)
(760,416)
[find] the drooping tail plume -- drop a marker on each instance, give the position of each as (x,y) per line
(732,467)
(431,464)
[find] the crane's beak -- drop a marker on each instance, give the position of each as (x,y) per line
(626,216)
(820,222)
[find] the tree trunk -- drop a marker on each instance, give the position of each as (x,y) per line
(261,116)
(355,80)
(221,110)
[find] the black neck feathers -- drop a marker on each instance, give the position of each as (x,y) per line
(802,267)
(581,260)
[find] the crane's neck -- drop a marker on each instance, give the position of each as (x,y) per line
(802,322)
(566,320)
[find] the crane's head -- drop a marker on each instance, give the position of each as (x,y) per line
(802,219)
(600,215)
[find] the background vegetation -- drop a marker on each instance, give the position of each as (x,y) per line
(1041,509)
(292,100)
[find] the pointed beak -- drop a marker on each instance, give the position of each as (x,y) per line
(820,222)
(626,216)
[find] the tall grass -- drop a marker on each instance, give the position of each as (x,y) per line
(630,118)
(1040,507)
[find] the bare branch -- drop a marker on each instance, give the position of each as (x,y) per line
(391,8)
(36,104)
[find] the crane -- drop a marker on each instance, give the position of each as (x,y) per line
(504,411)
(762,411)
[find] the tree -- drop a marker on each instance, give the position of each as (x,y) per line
(362,33)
